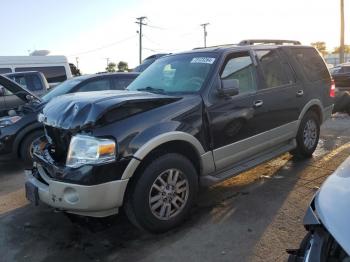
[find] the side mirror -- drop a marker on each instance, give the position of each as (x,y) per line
(2,91)
(229,87)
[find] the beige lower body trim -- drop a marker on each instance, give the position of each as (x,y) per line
(97,200)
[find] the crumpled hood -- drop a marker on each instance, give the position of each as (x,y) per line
(80,110)
(332,204)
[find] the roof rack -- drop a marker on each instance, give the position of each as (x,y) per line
(224,45)
(268,41)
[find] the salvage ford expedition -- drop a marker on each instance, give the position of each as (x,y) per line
(191,118)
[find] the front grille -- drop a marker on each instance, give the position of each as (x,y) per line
(59,143)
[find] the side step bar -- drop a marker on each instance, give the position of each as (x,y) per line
(245,165)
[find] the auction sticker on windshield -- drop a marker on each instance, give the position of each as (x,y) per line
(203,60)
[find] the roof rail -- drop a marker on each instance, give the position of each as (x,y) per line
(268,41)
(214,46)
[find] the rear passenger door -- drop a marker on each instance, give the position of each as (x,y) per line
(279,98)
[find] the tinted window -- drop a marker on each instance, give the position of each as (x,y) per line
(273,69)
(96,85)
(346,69)
(22,80)
(53,74)
(311,62)
(122,83)
(5,70)
(36,84)
(63,88)
(241,68)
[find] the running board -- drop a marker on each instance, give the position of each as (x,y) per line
(245,165)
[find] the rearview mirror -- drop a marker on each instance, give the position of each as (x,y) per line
(229,87)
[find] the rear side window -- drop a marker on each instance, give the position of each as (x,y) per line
(122,83)
(311,63)
(53,74)
(5,70)
(276,71)
(97,85)
(36,83)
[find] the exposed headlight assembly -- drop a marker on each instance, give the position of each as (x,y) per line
(9,120)
(85,150)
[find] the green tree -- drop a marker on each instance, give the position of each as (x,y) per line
(111,67)
(346,49)
(123,66)
(321,47)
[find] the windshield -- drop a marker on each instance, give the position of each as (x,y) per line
(177,73)
(62,89)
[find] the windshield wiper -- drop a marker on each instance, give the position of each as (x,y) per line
(152,89)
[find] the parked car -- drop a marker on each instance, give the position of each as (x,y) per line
(55,68)
(35,82)
(19,128)
(147,62)
(327,221)
(341,76)
(198,117)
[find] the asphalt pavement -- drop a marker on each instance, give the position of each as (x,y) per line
(255,216)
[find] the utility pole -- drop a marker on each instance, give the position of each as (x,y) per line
(77,60)
(140,22)
(107,60)
(342,30)
(205,33)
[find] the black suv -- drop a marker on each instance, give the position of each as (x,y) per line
(192,118)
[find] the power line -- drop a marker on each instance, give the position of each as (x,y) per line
(140,22)
(103,47)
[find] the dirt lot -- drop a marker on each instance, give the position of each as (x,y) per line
(252,217)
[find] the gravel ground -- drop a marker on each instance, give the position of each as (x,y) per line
(255,216)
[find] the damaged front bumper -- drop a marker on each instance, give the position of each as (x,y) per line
(96,191)
(97,200)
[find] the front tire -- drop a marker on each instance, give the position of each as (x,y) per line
(26,148)
(308,135)
(163,193)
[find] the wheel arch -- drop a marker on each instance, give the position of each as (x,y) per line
(175,142)
(313,105)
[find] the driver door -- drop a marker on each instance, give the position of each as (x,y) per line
(231,118)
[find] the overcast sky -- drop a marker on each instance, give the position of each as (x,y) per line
(94,30)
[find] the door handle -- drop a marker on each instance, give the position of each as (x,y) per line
(300,93)
(258,103)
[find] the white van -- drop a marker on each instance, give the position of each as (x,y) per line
(55,68)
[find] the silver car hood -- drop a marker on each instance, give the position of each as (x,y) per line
(332,204)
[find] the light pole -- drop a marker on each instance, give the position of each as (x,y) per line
(342,30)
(205,33)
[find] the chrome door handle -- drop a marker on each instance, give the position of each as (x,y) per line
(300,93)
(258,103)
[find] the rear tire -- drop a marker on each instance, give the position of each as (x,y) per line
(26,148)
(162,194)
(308,135)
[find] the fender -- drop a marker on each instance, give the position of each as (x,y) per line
(25,131)
(312,102)
(157,141)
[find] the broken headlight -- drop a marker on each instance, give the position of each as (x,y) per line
(85,150)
